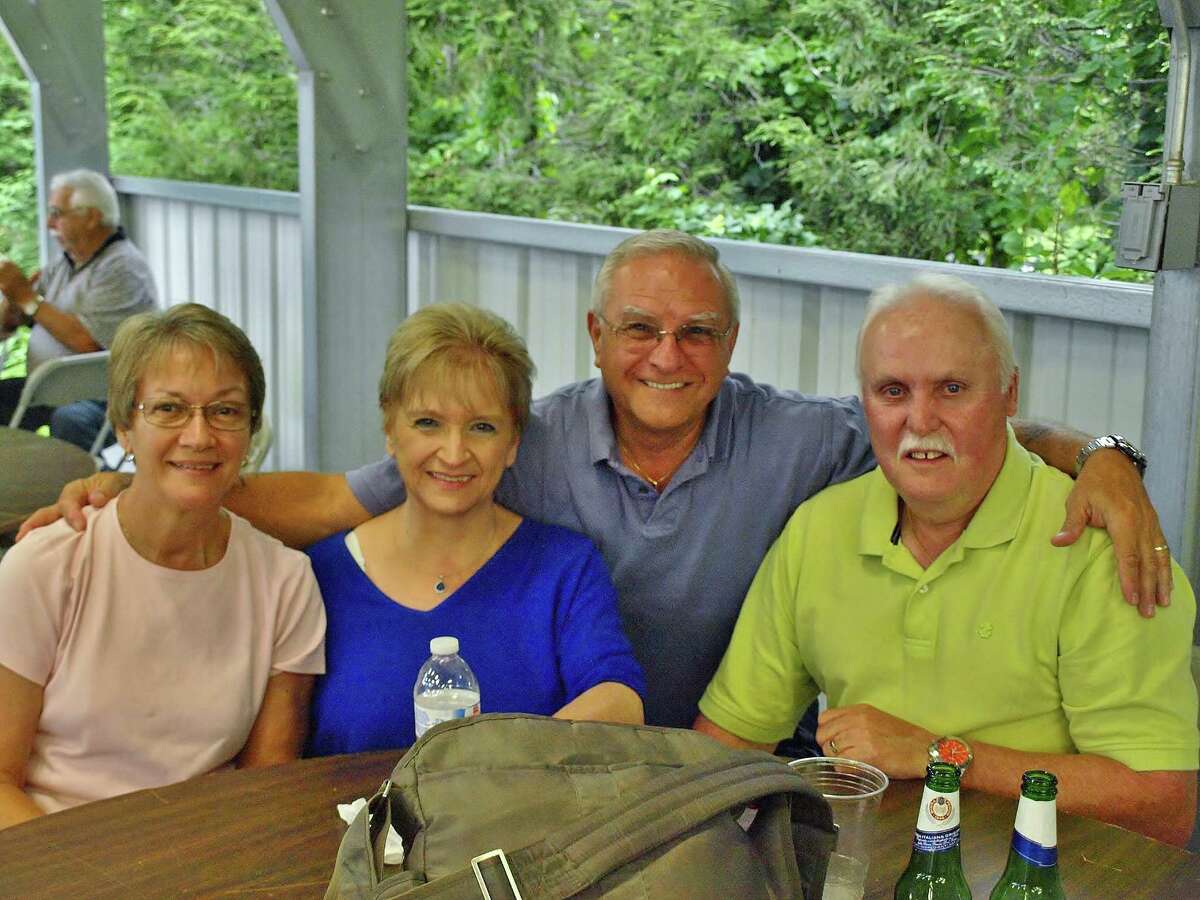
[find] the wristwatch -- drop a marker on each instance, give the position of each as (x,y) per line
(1115,442)
(953,750)
(30,309)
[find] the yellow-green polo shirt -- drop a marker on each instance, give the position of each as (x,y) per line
(1003,639)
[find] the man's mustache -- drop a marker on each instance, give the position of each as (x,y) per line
(929,443)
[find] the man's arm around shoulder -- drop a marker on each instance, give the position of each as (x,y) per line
(298,508)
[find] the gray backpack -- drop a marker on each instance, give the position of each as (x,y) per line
(514,807)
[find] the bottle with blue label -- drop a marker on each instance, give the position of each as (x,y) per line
(1032,870)
(935,868)
(446,687)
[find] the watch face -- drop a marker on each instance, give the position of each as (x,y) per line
(953,751)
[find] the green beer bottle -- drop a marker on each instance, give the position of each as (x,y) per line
(1032,870)
(935,869)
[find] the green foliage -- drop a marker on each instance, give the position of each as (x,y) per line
(995,133)
(200,90)
(12,353)
(18,193)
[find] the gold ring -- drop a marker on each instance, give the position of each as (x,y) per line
(833,747)
(1162,548)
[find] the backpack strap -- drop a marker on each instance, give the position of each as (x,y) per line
(581,853)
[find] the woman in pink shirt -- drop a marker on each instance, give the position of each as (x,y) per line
(170,638)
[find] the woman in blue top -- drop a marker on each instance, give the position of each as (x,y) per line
(532,605)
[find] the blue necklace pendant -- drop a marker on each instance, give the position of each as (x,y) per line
(440,587)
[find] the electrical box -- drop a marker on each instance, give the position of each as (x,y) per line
(1160,226)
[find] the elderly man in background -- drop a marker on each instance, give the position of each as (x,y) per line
(76,305)
(926,600)
(680,472)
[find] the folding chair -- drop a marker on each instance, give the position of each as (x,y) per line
(57,382)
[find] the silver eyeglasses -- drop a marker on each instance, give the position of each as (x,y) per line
(223,415)
(643,333)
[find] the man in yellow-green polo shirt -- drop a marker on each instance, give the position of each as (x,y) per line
(925,600)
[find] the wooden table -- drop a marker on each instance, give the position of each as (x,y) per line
(33,470)
(274,833)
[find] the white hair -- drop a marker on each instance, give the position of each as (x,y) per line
(950,290)
(664,240)
(92,190)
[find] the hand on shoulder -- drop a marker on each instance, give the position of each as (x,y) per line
(95,490)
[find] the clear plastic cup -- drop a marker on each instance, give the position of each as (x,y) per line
(853,790)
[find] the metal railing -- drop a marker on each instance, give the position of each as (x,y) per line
(1081,343)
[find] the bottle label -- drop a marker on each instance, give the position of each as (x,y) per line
(441,706)
(939,812)
(1035,834)
(935,841)
(1033,852)
(1037,820)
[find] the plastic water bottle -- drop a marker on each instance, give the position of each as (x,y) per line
(446,687)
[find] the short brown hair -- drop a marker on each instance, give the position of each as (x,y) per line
(143,339)
(453,341)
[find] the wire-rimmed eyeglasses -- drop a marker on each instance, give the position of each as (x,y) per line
(223,415)
(645,333)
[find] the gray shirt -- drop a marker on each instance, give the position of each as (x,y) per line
(111,286)
(682,561)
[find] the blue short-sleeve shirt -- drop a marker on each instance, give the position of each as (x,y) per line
(537,624)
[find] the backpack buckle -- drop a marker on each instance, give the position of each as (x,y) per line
(498,854)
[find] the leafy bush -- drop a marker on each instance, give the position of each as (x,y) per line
(993,133)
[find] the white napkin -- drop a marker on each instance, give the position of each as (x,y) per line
(393,849)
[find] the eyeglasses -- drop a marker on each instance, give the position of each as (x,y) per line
(57,212)
(223,415)
(641,333)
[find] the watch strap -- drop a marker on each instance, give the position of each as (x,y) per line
(1112,442)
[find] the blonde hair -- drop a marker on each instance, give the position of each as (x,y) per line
(451,344)
(143,340)
(664,240)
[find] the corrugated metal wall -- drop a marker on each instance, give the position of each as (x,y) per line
(238,252)
(1081,344)
(1082,361)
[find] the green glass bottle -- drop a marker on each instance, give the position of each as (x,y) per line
(935,869)
(1032,870)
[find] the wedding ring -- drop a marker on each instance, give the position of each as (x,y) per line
(833,747)
(1162,548)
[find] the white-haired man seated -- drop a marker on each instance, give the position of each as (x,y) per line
(76,305)
(925,600)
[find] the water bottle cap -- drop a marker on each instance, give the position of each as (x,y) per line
(443,646)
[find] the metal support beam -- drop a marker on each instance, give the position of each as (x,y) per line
(60,45)
(1171,421)
(353,140)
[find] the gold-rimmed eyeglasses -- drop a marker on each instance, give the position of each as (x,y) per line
(223,415)
(648,333)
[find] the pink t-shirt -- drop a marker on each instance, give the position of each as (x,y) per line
(150,675)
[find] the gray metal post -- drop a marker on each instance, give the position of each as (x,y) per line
(1171,420)
(60,46)
(353,139)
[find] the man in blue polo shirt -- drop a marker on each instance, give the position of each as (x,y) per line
(681,473)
